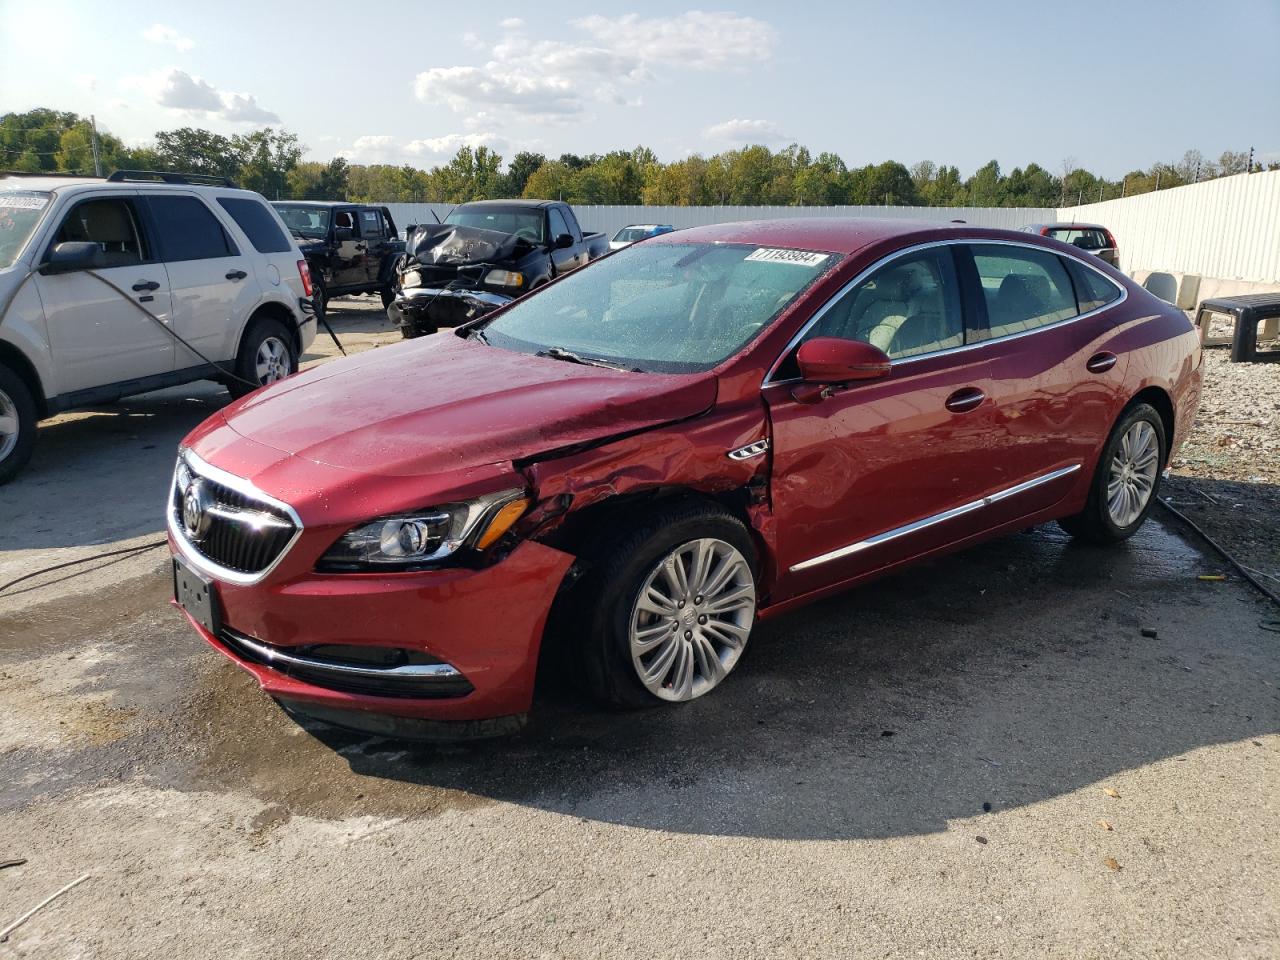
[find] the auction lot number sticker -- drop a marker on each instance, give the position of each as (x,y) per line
(801,258)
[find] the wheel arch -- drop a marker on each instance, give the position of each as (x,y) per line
(272,310)
(1162,402)
(16,360)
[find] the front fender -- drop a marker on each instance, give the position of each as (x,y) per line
(23,327)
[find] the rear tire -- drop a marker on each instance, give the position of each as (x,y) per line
(1127,480)
(637,639)
(17,424)
(267,355)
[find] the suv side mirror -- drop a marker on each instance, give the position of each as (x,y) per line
(71,256)
(564,241)
(343,233)
(826,360)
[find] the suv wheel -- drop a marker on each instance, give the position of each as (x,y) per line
(1126,481)
(266,355)
(667,613)
(17,424)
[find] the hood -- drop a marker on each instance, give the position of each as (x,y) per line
(443,404)
(445,244)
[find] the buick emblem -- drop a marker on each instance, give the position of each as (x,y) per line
(196,518)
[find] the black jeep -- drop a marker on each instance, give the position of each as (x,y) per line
(349,247)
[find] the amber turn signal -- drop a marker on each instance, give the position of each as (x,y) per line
(502,521)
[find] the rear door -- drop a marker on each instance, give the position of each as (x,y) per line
(880,471)
(213,281)
(100,333)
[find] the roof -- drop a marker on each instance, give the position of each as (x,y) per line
(1068,226)
(509,203)
(325,204)
(23,181)
(830,234)
(64,184)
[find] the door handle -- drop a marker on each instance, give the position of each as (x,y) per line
(1101,362)
(236,275)
(145,285)
(965,399)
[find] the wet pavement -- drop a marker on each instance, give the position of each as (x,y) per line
(917,767)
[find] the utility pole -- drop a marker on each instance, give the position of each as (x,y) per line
(1157,179)
(1249,168)
(97,158)
(1100,193)
(1124,185)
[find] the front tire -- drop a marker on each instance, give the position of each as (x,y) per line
(267,355)
(1127,480)
(667,612)
(17,424)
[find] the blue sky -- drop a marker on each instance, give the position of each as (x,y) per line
(1115,86)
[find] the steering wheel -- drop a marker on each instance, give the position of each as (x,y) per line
(528,233)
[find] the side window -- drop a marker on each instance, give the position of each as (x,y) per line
(188,230)
(908,307)
(258,224)
(1093,290)
(571,221)
(558,226)
(110,223)
(1023,288)
(370,225)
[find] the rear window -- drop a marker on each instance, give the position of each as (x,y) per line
(1090,239)
(188,230)
(258,224)
(1093,290)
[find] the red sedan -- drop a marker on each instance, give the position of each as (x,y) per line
(637,462)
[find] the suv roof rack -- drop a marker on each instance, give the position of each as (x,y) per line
(163,176)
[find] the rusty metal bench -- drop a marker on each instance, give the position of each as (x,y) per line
(1248,312)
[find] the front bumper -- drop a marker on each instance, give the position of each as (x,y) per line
(483,626)
(426,309)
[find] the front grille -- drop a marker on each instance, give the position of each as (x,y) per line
(245,534)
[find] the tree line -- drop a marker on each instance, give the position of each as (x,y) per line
(270,162)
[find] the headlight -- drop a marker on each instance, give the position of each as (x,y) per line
(414,539)
(411,279)
(504,278)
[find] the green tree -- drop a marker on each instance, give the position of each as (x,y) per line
(551,181)
(266,159)
(518,172)
(195,150)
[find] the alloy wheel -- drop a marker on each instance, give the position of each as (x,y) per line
(9,425)
(691,619)
(272,362)
(1132,479)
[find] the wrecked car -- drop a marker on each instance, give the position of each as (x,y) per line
(618,477)
(350,248)
(484,255)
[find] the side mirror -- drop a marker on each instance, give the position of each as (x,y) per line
(826,360)
(71,256)
(564,241)
(343,233)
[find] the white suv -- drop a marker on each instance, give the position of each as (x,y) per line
(140,281)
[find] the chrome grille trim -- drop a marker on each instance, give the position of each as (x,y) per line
(233,513)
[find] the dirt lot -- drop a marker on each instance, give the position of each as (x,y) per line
(983,757)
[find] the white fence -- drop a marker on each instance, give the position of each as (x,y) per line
(1227,229)
(610,219)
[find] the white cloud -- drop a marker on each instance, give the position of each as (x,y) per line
(745,131)
(159,33)
(178,90)
(424,152)
(556,81)
(87,80)
(511,23)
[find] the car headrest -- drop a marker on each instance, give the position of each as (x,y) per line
(106,221)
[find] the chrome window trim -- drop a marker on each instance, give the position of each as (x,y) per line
(203,468)
(902,531)
(906,251)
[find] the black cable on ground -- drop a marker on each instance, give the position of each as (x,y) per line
(139,548)
(1262,588)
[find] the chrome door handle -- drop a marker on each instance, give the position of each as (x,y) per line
(965,399)
(1101,362)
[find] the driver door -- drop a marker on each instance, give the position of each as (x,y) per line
(873,473)
(350,263)
(564,260)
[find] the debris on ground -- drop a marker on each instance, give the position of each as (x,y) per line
(1111,792)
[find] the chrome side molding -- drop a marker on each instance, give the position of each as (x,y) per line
(937,518)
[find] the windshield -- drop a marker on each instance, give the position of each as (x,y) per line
(304,221)
(20,211)
(661,307)
(527,222)
(1085,239)
(632,234)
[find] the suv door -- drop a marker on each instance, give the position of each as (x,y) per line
(374,237)
(876,472)
(99,335)
(214,285)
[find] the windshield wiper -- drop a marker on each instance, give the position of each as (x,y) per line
(560,353)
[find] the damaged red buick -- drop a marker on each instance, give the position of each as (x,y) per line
(634,464)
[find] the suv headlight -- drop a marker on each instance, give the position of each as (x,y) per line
(504,278)
(408,540)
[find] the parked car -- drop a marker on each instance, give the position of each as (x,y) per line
(484,255)
(111,287)
(638,231)
(350,248)
(624,471)
(1090,237)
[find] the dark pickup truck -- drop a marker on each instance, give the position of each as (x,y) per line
(349,247)
(483,256)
